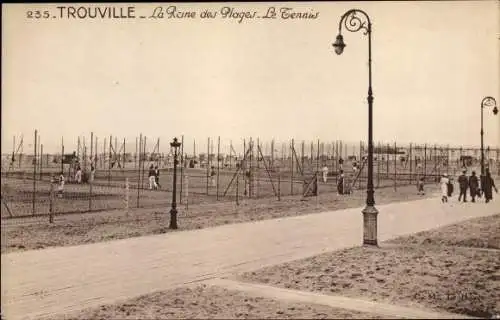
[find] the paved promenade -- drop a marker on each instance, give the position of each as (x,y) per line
(56,280)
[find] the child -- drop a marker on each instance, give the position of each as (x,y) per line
(152,179)
(420,186)
(60,187)
(444,187)
(157,177)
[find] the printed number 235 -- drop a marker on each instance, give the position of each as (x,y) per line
(37,14)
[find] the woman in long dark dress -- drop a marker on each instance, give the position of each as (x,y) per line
(488,185)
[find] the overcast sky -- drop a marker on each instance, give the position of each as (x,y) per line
(433,62)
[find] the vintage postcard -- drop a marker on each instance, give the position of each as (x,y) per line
(250,160)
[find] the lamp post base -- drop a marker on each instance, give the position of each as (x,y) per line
(173,219)
(370,226)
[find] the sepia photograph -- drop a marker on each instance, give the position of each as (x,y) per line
(250,160)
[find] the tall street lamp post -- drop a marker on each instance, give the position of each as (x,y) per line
(353,21)
(487,102)
(173,212)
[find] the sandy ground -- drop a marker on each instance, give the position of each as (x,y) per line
(454,269)
(456,279)
(37,233)
(210,302)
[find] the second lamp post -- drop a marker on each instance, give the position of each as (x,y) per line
(490,102)
(353,23)
(173,212)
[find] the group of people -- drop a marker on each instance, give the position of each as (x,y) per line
(154,178)
(477,186)
(80,176)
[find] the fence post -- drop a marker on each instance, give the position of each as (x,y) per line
(218,168)
(257,175)
(34,175)
(317,189)
(92,166)
(279,184)
(208,162)
(41,161)
(291,166)
(409,159)
(127,188)
(237,188)
(187,192)
(182,165)
(139,172)
(425,160)
(395,167)
(51,202)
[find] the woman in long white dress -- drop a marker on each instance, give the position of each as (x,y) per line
(444,187)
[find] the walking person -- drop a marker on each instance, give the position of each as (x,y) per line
(451,187)
(340,183)
(473,186)
(420,186)
(463,184)
(151,177)
(78,175)
(487,186)
(444,187)
(325,173)
(157,177)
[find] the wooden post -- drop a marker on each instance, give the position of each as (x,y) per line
(182,165)
(302,155)
(194,149)
(104,154)
(34,174)
(317,158)
(279,184)
(109,160)
(135,157)
(360,162)
(291,166)
(387,150)
(92,165)
(41,161)
(425,160)
(51,202)
(127,189)
(62,155)
(395,167)
(250,181)
(116,152)
(96,153)
(78,147)
(258,169)
(143,161)
(230,154)
(272,154)
(237,188)
(218,167)
(311,159)
(123,160)
(208,162)
(139,172)
(186,193)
